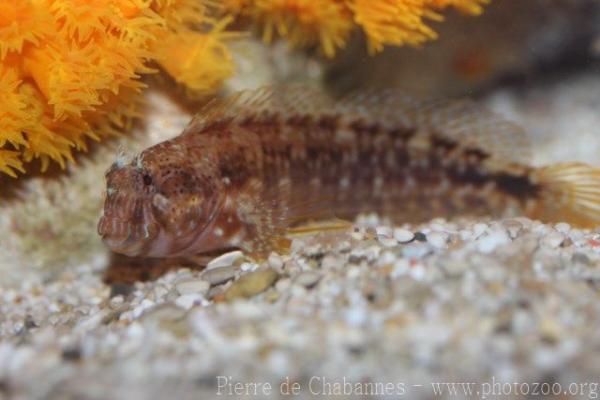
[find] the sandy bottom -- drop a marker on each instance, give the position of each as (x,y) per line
(378,308)
(509,308)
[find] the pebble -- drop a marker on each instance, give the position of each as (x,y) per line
(320,311)
(553,239)
(479,228)
(495,238)
(144,305)
(403,235)
(251,284)
(187,301)
(384,231)
(164,313)
(192,286)
(275,261)
(416,250)
(387,241)
(438,239)
(420,237)
(283,285)
(225,260)
(513,227)
(562,227)
(248,266)
(219,275)
(116,301)
(385,236)
(307,279)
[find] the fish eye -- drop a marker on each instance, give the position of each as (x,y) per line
(147,179)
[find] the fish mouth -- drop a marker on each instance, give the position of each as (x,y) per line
(120,235)
(113,230)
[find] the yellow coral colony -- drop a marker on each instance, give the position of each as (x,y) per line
(69,69)
(329,22)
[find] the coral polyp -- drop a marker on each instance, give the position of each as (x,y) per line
(71,69)
(330,22)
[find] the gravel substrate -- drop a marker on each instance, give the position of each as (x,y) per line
(500,301)
(512,306)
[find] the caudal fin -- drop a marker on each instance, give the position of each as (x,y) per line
(570,192)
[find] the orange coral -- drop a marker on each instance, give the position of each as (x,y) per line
(329,22)
(305,21)
(70,69)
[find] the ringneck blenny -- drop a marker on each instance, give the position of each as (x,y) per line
(249,167)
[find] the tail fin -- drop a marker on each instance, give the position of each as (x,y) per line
(570,193)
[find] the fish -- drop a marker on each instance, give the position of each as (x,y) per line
(250,167)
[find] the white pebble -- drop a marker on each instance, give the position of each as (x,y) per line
(562,227)
(386,258)
(91,322)
(513,227)
(384,231)
(225,260)
(356,316)
(488,243)
(387,241)
(479,229)
(187,301)
(401,267)
(553,239)
(248,267)
(275,261)
(438,239)
(403,235)
(465,234)
(307,278)
(283,285)
(417,273)
(116,301)
(144,305)
(192,286)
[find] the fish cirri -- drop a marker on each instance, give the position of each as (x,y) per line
(249,167)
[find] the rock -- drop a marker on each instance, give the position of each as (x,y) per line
(553,239)
(283,285)
(438,239)
(420,237)
(225,260)
(479,228)
(307,279)
(187,301)
(417,250)
(403,235)
(219,275)
(170,317)
(387,241)
(385,236)
(495,238)
(562,227)
(192,286)
(275,261)
(251,284)
(513,227)
(384,231)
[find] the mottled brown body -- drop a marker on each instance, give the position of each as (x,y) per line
(371,169)
(247,169)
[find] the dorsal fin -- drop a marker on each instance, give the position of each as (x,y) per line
(464,122)
(473,126)
(286,100)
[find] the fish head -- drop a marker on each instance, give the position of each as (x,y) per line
(158,203)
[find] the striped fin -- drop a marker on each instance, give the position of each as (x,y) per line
(570,192)
(464,122)
(285,100)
